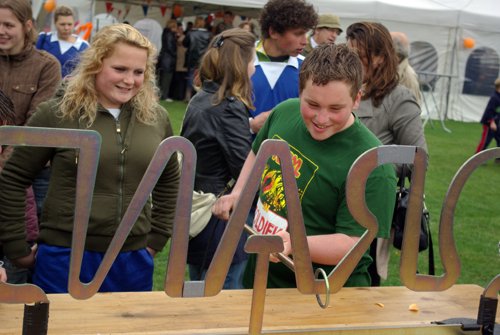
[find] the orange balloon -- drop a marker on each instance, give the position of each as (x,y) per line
(469,43)
(49,5)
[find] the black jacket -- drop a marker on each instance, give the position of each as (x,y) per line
(221,136)
(196,43)
(168,53)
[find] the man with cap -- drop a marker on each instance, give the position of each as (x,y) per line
(327,31)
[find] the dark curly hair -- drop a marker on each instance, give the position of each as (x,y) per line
(282,15)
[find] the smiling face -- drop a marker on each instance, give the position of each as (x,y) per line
(327,109)
(64,27)
(12,32)
(122,75)
(291,43)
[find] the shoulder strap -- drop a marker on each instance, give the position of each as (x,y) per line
(401,184)
(402,176)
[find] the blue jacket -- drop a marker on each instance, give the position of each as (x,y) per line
(67,58)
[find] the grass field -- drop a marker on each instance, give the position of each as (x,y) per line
(477,217)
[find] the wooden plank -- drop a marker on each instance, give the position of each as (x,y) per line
(229,312)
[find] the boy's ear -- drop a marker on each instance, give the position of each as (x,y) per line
(357,100)
(273,34)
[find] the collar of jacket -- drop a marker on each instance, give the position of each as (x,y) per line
(26,52)
(126,119)
(210,86)
(125,109)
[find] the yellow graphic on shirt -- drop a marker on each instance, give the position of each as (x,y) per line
(296,162)
(271,212)
(272,189)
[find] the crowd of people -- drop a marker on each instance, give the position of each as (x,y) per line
(330,102)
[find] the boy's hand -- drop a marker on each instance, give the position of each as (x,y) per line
(493,126)
(287,246)
(224,206)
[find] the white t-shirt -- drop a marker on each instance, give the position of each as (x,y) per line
(115,112)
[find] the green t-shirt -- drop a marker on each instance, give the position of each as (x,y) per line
(321,169)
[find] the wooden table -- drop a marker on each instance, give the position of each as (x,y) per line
(380,310)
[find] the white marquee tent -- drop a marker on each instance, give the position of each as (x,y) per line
(461,78)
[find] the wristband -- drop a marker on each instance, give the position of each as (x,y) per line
(249,122)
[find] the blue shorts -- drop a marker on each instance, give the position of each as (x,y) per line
(132,271)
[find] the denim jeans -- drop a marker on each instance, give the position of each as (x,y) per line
(132,271)
(234,277)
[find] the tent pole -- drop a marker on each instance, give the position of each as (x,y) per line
(452,63)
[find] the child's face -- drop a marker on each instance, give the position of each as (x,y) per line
(291,43)
(64,26)
(327,110)
(122,75)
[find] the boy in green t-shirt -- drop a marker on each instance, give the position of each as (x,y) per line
(325,138)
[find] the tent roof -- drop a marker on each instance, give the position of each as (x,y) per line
(473,14)
(250,8)
(470,14)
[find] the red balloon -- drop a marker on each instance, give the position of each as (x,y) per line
(177,10)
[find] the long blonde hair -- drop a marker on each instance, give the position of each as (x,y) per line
(80,97)
(226,63)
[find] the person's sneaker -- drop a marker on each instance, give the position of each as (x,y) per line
(169,100)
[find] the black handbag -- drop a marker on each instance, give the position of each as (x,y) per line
(398,221)
(399,217)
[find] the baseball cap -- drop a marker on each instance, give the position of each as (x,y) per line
(329,21)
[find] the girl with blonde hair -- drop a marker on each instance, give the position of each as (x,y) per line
(216,122)
(112,92)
